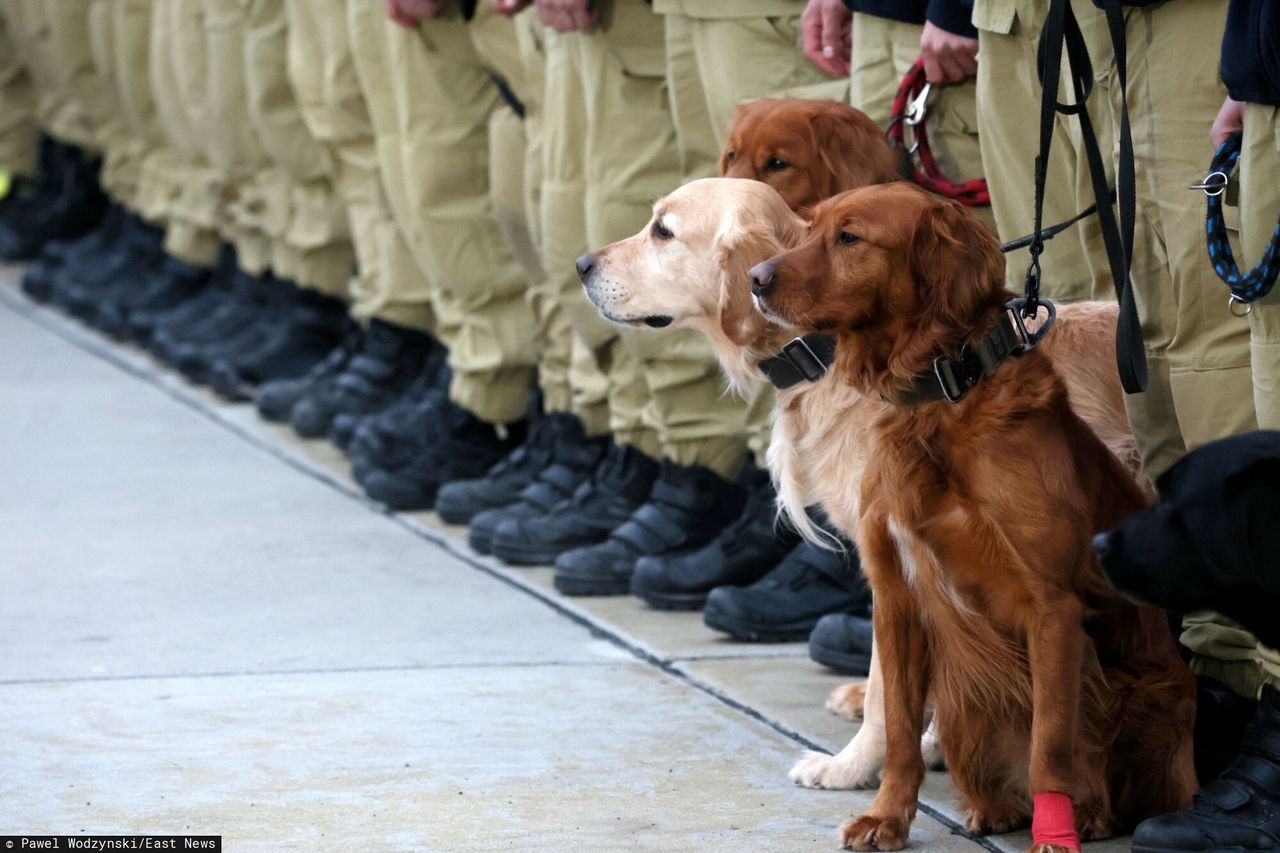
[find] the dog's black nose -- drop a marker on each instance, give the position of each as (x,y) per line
(763,278)
(585,265)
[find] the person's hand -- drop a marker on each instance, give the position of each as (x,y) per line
(827,26)
(948,58)
(1230,119)
(566,16)
(407,13)
(509,7)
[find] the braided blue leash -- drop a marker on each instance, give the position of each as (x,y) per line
(1257,282)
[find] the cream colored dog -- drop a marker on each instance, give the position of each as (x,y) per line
(688,268)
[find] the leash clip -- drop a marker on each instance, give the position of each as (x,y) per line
(916,106)
(1234,304)
(1215,183)
(1027,338)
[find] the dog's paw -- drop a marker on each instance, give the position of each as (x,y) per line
(847,700)
(1049,848)
(994,819)
(873,833)
(1094,821)
(834,772)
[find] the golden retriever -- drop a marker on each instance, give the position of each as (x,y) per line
(974,529)
(808,150)
(689,267)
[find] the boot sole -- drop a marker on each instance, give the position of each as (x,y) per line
(754,633)
(845,663)
(683,601)
(591,586)
(525,557)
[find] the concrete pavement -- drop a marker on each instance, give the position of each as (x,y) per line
(206,629)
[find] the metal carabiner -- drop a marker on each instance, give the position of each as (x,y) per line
(1235,312)
(916,106)
(1214,183)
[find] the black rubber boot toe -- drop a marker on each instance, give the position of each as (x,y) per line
(742,554)
(592,504)
(842,641)
(787,603)
(686,508)
(462,500)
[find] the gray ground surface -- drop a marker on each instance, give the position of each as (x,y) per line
(206,629)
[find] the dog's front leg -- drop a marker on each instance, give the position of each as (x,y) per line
(904,666)
(1055,647)
(858,765)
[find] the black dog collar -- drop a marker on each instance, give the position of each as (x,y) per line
(950,378)
(801,360)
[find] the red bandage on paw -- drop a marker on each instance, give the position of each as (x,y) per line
(1053,821)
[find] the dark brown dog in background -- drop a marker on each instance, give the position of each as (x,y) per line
(807,150)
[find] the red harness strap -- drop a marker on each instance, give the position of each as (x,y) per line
(971,193)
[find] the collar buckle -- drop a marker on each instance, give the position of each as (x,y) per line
(804,359)
(952,386)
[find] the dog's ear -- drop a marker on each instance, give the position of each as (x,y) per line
(743,240)
(956,265)
(743,117)
(851,149)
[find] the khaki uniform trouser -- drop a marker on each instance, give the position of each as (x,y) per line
(1200,385)
(584,368)
(1224,650)
(121,31)
(294,202)
(447,120)
(52,37)
(327,88)
(1008,95)
(178,185)
(717,58)
(18,128)
(633,159)
(392,286)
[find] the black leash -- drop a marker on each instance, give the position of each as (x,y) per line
(1257,282)
(1062,33)
(1054,230)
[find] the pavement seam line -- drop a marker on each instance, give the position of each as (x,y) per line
(152,374)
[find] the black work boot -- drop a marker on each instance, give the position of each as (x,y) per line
(175,288)
(574,458)
(616,488)
(687,507)
(275,400)
(786,604)
(1222,715)
(306,327)
(390,359)
(63,204)
(462,500)
(463,448)
(239,327)
(743,553)
(395,436)
(182,340)
(117,275)
(1237,812)
(842,641)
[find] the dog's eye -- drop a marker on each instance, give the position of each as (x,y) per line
(775,165)
(729,156)
(661,231)
(844,238)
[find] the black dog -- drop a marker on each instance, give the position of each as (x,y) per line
(1212,540)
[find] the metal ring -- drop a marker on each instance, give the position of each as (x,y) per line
(1214,183)
(1235,312)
